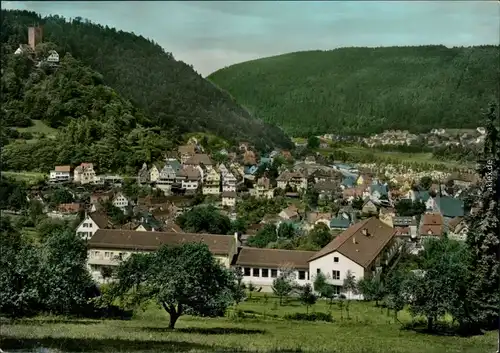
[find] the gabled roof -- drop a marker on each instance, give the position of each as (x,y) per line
(340,222)
(151,241)
(381,189)
(450,206)
(422,195)
(360,248)
(199,158)
(349,181)
(100,218)
(273,258)
(453,223)
(62,168)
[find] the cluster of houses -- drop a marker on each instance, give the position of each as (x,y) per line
(435,138)
(35,36)
(367,226)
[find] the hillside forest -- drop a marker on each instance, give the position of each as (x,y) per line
(367,90)
(117,99)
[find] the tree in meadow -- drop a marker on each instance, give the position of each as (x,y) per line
(184,279)
(307,296)
(483,238)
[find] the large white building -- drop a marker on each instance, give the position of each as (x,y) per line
(362,249)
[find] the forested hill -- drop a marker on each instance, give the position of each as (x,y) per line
(367,90)
(170,92)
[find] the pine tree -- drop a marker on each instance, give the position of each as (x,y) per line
(483,238)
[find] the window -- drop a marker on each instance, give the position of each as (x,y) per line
(302,275)
(246,271)
(336,259)
(337,290)
(265,272)
(335,275)
(318,271)
(256,272)
(274,273)
(107,254)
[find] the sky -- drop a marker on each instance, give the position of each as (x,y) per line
(211,35)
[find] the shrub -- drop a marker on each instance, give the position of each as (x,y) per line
(310,317)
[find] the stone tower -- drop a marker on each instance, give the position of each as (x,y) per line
(34,36)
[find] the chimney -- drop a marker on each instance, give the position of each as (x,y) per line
(354,240)
(237,238)
(365,232)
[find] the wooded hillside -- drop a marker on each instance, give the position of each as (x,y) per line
(367,90)
(170,93)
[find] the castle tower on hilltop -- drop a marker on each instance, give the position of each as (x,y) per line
(35,35)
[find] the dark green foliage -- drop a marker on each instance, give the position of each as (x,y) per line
(307,296)
(263,237)
(12,194)
(327,317)
(184,280)
(204,219)
(313,142)
(51,277)
(367,90)
(426,182)
(169,91)
(372,288)
(408,208)
(320,235)
(483,238)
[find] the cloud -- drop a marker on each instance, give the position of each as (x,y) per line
(212,34)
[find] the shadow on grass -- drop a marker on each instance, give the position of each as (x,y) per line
(36,322)
(208,330)
(100,345)
(441,329)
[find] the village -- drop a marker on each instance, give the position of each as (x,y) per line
(368,216)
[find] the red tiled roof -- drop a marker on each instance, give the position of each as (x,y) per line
(360,248)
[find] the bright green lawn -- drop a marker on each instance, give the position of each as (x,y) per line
(40,127)
(26,176)
(424,158)
(369,330)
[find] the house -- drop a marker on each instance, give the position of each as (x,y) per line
(186,152)
(316,218)
(108,247)
(340,222)
(432,225)
(91,224)
(326,189)
(263,189)
(348,182)
(60,173)
(167,175)
(418,195)
(481,130)
(70,208)
(295,180)
(458,228)
(378,191)
(211,184)
(85,174)
(189,177)
(363,180)
(144,176)
(250,169)
(53,57)
(228,181)
(199,159)
(350,194)
(223,169)
(24,49)
(262,266)
(290,213)
(120,201)
(96,199)
(310,160)
(154,174)
(463,180)
(363,249)
(449,207)
(229,198)
(369,207)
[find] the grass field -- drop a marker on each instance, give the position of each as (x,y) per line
(263,329)
(39,127)
(26,176)
(423,158)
